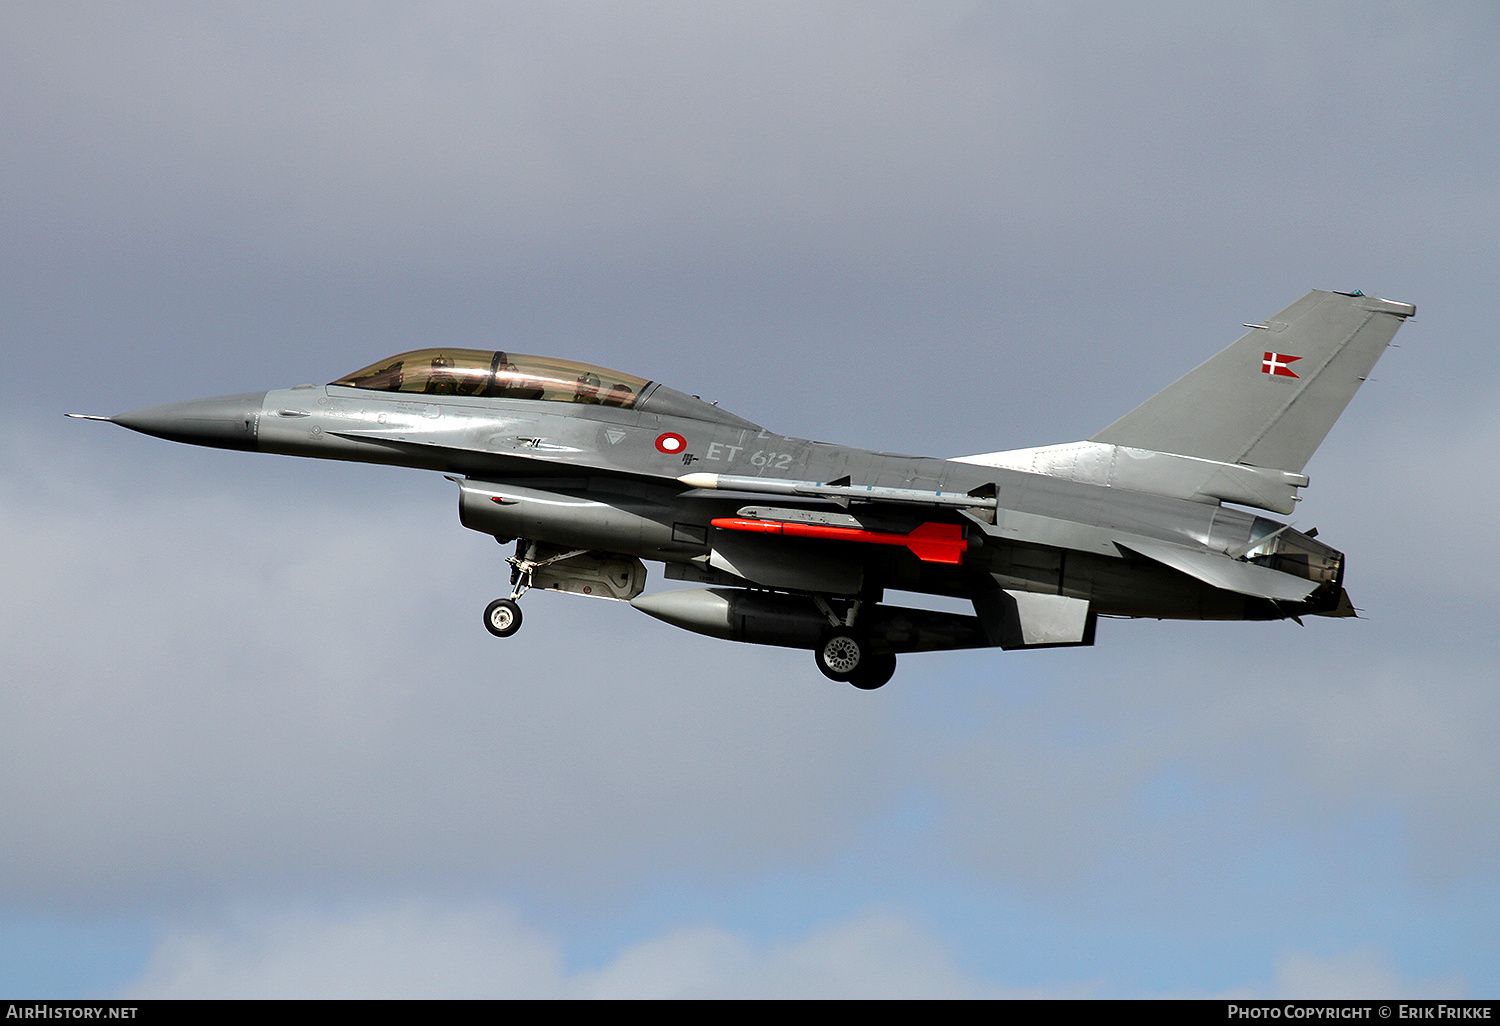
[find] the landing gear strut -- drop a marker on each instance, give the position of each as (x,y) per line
(502,617)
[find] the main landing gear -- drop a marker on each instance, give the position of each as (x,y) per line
(502,617)
(845,654)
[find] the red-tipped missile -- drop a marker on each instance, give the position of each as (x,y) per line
(931,543)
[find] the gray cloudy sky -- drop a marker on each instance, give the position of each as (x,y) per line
(253,739)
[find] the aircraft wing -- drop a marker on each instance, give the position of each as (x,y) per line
(945,544)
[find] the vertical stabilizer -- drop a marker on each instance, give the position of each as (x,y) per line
(1270,398)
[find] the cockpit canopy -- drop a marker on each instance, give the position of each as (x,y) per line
(477,372)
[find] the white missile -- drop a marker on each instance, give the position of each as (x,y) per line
(838,490)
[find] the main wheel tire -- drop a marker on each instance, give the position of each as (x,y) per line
(840,654)
(876,670)
(502,618)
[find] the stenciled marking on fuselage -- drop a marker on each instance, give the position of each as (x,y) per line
(724,452)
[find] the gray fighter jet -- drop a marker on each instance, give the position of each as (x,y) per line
(591,471)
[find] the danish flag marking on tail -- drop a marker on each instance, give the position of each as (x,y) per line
(1279,363)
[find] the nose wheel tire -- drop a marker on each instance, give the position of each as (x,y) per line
(502,618)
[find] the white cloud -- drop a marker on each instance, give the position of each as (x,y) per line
(418,950)
(406,951)
(1363,973)
(422,949)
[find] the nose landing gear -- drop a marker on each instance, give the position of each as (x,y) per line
(502,617)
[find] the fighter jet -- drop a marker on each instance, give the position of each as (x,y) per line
(591,472)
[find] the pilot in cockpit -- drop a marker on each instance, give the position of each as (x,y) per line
(441,380)
(619,395)
(588,389)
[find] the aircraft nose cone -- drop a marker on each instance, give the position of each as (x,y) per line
(226,422)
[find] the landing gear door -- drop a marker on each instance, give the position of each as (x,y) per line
(597,576)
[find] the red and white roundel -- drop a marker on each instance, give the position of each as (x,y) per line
(670,443)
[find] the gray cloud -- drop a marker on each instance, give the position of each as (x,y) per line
(453,134)
(1316,727)
(947,228)
(222,684)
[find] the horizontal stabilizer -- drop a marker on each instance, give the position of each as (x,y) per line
(1161,473)
(1223,572)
